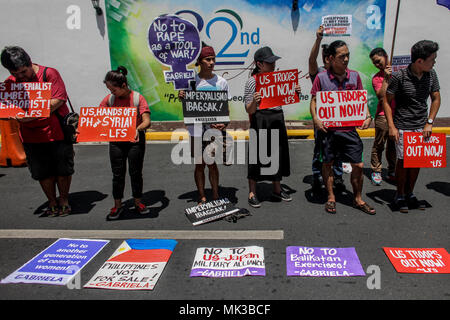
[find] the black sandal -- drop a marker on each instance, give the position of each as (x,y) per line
(330,207)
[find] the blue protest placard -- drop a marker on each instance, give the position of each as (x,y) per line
(59,263)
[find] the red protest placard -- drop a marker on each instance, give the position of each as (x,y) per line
(100,124)
(277,88)
(419,260)
(25,99)
(418,153)
(341,108)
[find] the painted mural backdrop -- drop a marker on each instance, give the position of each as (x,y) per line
(236,29)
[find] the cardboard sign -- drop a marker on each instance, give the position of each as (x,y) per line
(418,153)
(205,107)
(342,108)
(277,88)
(98,124)
(59,263)
(229,262)
(337,25)
(210,211)
(419,260)
(135,265)
(323,262)
(175,43)
(25,99)
(400,62)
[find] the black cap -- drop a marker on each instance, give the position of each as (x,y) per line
(265,54)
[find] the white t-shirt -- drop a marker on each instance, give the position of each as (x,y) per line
(216,83)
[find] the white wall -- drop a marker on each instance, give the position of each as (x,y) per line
(82,55)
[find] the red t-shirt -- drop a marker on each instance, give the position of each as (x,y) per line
(45,129)
(377,83)
(128,102)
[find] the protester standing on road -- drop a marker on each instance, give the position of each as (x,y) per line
(267,119)
(380,82)
(411,88)
(121,152)
(341,142)
(206,79)
(313,70)
(50,159)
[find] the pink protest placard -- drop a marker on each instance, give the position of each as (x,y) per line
(341,108)
(419,260)
(421,153)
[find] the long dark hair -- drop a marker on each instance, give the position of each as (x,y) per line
(117,77)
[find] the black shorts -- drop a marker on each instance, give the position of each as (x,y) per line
(345,145)
(49,159)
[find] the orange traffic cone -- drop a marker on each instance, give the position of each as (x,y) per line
(11,151)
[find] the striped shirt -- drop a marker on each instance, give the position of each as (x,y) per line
(249,91)
(411,94)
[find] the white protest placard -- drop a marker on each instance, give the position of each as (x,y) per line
(341,108)
(337,25)
(229,262)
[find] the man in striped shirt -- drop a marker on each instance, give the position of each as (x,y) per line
(411,88)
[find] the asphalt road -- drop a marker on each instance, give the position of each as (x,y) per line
(170,188)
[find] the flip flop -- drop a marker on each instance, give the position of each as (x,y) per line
(330,207)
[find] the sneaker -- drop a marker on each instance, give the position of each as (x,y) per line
(346,167)
(254,202)
(65,211)
(339,183)
(141,208)
(414,203)
(115,213)
(401,204)
(282,196)
(376,178)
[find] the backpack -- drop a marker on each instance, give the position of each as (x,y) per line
(112,98)
(68,123)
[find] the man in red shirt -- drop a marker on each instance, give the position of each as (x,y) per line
(49,157)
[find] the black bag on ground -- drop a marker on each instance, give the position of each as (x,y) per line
(69,123)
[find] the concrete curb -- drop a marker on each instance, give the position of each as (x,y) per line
(243,134)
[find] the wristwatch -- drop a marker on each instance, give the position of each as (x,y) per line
(430,121)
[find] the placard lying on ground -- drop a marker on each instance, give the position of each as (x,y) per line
(277,88)
(419,260)
(135,265)
(342,108)
(99,124)
(323,262)
(337,25)
(210,211)
(229,262)
(25,99)
(59,263)
(418,153)
(205,107)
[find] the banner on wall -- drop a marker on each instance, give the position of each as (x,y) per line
(421,153)
(419,260)
(323,262)
(59,263)
(235,29)
(97,124)
(229,262)
(136,265)
(25,99)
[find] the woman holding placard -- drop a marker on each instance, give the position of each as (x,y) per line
(119,152)
(270,121)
